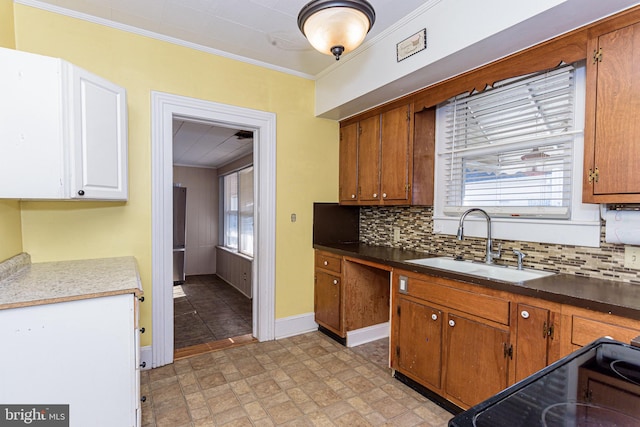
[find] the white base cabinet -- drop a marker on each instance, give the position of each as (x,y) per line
(63,133)
(83,353)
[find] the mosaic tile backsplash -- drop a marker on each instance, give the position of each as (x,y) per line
(605,262)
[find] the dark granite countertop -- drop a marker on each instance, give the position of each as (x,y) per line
(618,298)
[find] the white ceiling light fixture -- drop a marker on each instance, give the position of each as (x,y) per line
(336,27)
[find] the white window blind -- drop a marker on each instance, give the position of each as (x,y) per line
(509,148)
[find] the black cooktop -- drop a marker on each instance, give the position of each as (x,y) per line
(598,385)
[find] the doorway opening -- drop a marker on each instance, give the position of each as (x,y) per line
(165,109)
(213,236)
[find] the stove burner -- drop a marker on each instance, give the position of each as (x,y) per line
(585,415)
(629,369)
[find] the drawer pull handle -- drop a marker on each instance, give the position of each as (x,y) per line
(452,323)
(524,314)
(434,317)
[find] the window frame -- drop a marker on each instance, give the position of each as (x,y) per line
(582,227)
(247,248)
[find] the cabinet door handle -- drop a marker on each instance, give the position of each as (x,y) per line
(326,263)
(375,195)
(524,314)
(335,281)
(81,193)
(452,323)
(434,316)
(353,196)
(384,195)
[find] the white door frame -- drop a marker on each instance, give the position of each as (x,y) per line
(164,107)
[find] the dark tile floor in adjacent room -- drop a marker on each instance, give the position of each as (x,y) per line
(206,309)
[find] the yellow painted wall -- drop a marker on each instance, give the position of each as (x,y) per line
(7,38)
(307,151)
(10,229)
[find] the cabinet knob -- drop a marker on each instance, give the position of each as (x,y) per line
(335,281)
(353,196)
(326,263)
(143,399)
(452,323)
(143,365)
(434,316)
(524,314)
(81,193)
(384,195)
(375,195)
(142,330)
(141,299)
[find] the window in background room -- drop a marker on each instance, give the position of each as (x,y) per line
(238,211)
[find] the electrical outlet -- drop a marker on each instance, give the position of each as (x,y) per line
(632,257)
(396,234)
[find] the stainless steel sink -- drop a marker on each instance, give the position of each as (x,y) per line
(477,269)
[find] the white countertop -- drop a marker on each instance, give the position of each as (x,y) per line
(24,284)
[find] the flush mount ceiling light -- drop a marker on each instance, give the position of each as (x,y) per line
(336,27)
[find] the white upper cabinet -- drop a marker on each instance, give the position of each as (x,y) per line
(63,131)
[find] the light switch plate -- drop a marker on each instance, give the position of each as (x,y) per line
(396,234)
(632,257)
(403,282)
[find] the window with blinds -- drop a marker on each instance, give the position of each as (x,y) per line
(508,149)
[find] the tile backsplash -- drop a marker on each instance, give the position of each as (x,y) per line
(415,222)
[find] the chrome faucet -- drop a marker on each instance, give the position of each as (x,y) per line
(490,255)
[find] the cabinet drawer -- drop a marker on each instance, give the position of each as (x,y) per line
(584,331)
(328,261)
(485,306)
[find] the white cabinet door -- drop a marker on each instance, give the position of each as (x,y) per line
(63,131)
(81,353)
(99,155)
(31,132)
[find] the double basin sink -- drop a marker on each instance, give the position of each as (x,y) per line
(482,270)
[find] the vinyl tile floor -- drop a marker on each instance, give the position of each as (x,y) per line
(208,309)
(305,380)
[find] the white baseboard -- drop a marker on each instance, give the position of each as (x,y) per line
(146,357)
(368,334)
(295,325)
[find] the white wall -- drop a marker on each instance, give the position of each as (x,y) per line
(201,217)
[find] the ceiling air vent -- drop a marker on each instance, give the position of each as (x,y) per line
(244,134)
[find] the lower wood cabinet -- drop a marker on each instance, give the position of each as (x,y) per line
(477,361)
(463,356)
(328,301)
(535,335)
(422,357)
(349,294)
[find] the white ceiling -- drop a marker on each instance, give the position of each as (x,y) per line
(201,144)
(264,31)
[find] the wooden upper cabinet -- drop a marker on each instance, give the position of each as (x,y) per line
(349,163)
(375,159)
(612,128)
(396,150)
(369,159)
